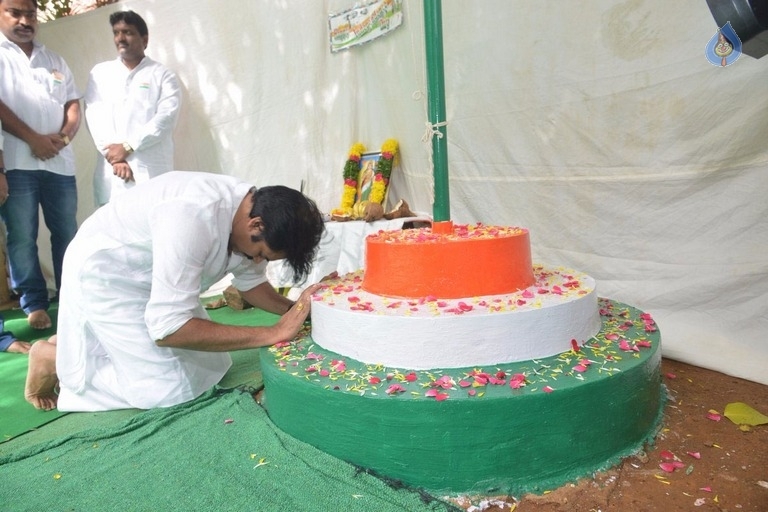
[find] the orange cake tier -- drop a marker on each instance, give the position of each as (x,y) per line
(469,261)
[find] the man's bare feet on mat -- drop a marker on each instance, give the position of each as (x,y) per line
(39,319)
(19,347)
(40,388)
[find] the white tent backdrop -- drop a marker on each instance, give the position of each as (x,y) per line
(598,125)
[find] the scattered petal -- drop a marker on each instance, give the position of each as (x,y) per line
(228,421)
(706,489)
(667,455)
(667,467)
(714,415)
(695,455)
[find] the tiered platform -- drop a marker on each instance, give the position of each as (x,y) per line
(478,388)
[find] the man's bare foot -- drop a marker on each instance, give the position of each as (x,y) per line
(40,388)
(19,347)
(39,319)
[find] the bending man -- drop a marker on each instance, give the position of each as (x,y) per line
(132,332)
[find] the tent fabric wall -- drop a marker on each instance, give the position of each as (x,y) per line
(600,126)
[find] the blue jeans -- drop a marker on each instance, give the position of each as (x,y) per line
(6,338)
(28,192)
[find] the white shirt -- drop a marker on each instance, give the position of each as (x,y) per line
(36,90)
(133,275)
(138,106)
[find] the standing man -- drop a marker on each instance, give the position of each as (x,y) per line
(40,113)
(8,342)
(132,332)
(131,106)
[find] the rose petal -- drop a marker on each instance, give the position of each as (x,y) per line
(667,455)
(668,467)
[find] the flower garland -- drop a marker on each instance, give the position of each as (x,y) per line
(383,171)
(351,172)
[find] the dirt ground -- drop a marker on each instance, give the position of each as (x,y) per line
(730,473)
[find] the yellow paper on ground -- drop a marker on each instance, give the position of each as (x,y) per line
(742,414)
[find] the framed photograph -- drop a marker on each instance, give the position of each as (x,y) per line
(368,163)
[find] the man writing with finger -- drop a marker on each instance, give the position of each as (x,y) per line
(132,332)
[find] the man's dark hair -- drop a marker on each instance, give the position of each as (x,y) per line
(129,18)
(292,224)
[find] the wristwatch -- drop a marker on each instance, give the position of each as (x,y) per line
(127,147)
(65,138)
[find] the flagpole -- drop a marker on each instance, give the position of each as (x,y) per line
(433,35)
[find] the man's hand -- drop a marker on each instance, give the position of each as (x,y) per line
(3,189)
(332,275)
(122,170)
(115,153)
(44,147)
(293,319)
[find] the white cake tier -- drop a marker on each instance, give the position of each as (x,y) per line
(560,309)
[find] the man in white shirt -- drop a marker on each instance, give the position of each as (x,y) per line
(131,107)
(132,332)
(40,113)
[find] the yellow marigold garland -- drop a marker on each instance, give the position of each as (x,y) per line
(351,172)
(383,171)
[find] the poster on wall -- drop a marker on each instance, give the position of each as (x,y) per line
(359,25)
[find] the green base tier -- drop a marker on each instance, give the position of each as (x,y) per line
(517,427)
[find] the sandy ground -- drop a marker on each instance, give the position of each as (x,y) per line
(726,470)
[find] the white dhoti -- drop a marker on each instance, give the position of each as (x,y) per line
(133,275)
(107,357)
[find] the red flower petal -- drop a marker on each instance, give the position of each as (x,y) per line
(695,455)
(668,467)
(667,455)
